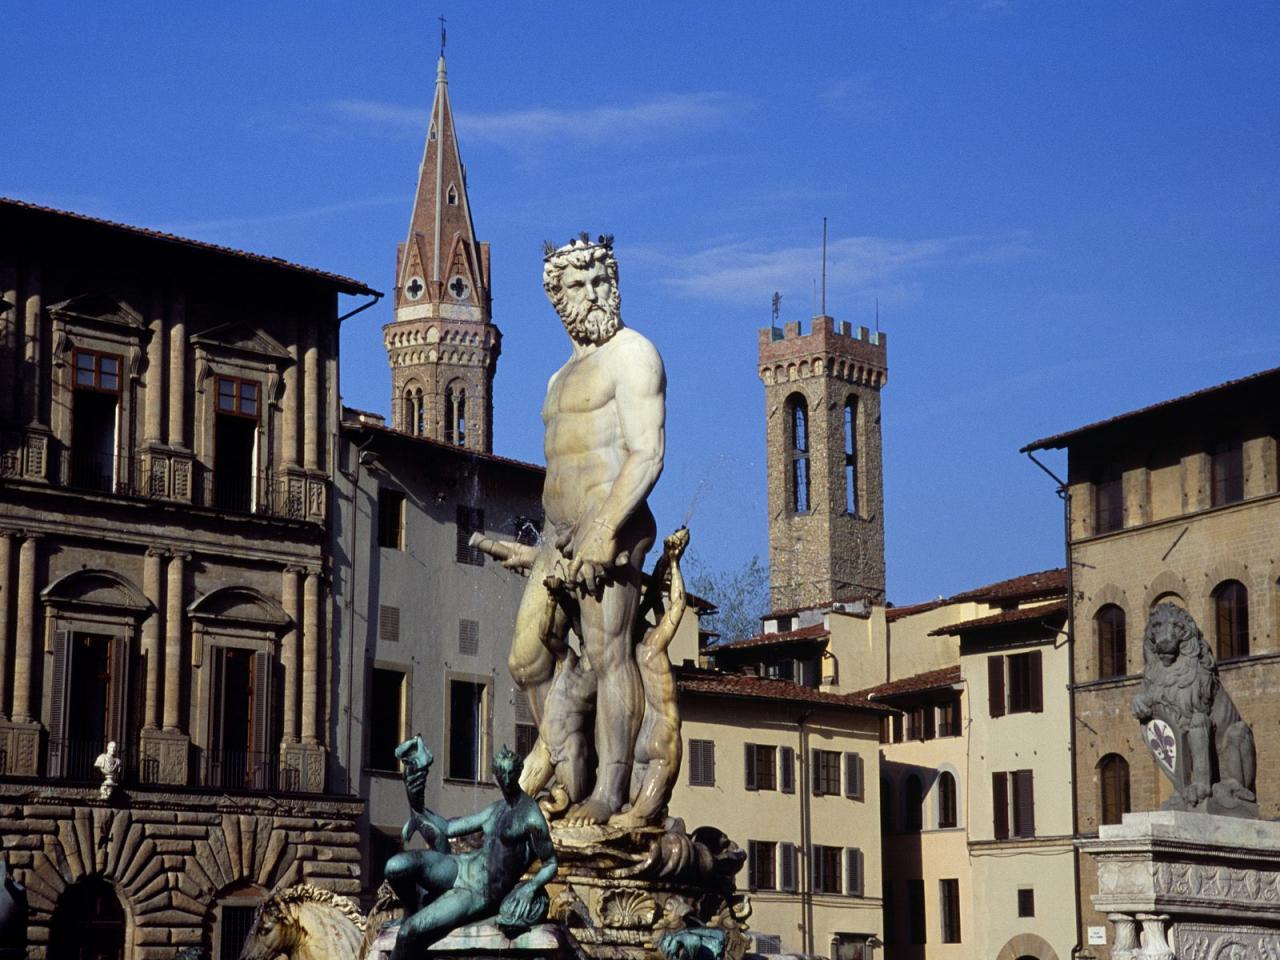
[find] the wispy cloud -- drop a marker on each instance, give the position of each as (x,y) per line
(656,117)
(739,272)
(289,216)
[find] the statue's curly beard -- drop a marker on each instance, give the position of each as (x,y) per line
(594,323)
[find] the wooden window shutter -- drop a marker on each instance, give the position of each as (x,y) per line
(217,695)
(853,776)
(787,866)
(1037,685)
(1000,805)
(995,685)
(1024,804)
(787,771)
(749,759)
(815,764)
(709,761)
(262,739)
(853,871)
(695,762)
(58,753)
(118,692)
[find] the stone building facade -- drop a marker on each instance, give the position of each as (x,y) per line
(1178,502)
(168,413)
(825,470)
(442,342)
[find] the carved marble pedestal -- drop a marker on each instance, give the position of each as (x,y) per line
(19,748)
(1190,886)
(165,756)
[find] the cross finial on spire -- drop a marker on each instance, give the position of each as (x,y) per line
(442,34)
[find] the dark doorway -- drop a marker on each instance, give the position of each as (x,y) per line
(232,764)
(88,704)
(234,440)
(93,440)
(88,923)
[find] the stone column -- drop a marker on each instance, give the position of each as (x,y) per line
(1126,936)
(6,591)
(33,375)
(177,374)
(289,651)
(151,627)
(25,654)
(153,423)
(311,398)
(174,622)
(1155,946)
(310,655)
(290,411)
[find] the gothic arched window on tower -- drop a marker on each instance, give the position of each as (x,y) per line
(453,195)
(799,453)
(851,456)
(461,428)
(419,413)
(448,414)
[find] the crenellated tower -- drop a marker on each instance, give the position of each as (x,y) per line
(443,345)
(825,471)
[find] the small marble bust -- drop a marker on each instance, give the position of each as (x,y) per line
(108,765)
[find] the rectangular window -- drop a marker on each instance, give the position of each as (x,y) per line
(89,702)
(1026,902)
(853,871)
(1000,805)
(95,402)
(851,946)
(915,911)
(853,776)
(1108,502)
(886,729)
(1024,804)
(242,740)
(469,520)
(767,942)
(787,867)
(762,767)
(238,396)
(702,763)
(1227,468)
(949,902)
(826,773)
(897,728)
(466,739)
(1025,693)
(761,856)
(949,717)
(995,686)
(826,868)
(787,770)
(235,445)
(390,519)
(386,718)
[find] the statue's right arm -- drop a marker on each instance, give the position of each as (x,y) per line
(461,826)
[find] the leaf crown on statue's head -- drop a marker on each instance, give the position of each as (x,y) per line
(581,243)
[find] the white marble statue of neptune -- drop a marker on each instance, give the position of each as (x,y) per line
(605,437)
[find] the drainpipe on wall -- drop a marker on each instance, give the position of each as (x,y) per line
(804,881)
(351,606)
(1064,496)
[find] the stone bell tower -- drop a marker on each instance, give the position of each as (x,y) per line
(825,473)
(442,345)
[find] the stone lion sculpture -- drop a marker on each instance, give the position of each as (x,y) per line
(1180,687)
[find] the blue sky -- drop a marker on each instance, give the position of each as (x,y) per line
(1065,210)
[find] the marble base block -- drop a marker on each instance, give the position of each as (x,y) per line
(1191,886)
(482,941)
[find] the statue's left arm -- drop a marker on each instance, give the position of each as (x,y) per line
(640,398)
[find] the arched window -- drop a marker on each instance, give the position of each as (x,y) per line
(912,804)
(886,805)
(851,455)
(414,419)
(88,921)
(798,427)
(1113,781)
(448,414)
(420,413)
(1231,619)
(460,428)
(1109,625)
(946,799)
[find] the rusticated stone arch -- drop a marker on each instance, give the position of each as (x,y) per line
(1027,945)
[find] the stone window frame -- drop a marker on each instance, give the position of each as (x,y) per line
(406,710)
(253,896)
(487,711)
(123,334)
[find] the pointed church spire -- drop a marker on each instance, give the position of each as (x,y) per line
(442,344)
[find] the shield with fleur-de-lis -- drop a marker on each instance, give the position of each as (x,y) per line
(1167,741)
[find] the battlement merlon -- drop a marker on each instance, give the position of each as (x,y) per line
(829,341)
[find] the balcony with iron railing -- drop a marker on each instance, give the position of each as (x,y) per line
(72,760)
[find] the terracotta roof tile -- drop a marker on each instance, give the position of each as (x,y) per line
(345,284)
(815,632)
(1062,439)
(920,682)
(897,613)
(1029,586)
(1021,615)
(718,684)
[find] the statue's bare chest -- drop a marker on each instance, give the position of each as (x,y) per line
(582,386)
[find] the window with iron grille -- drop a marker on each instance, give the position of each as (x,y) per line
(702,763)
(469,520)
(762,857)
(389,623)
(234,927)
